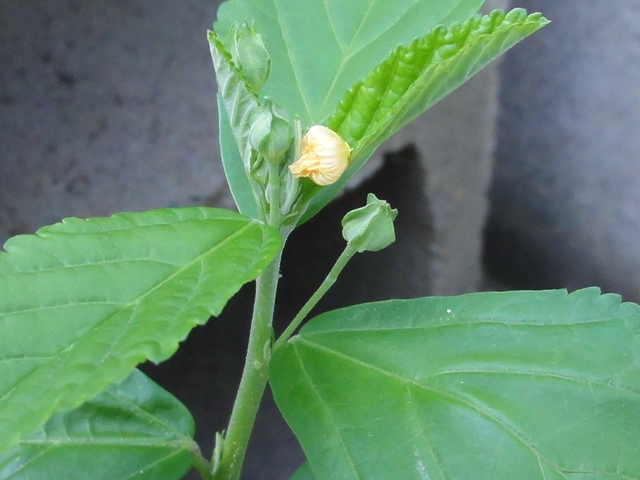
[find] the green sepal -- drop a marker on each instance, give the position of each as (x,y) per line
(271,133)
(250,54)
(370,228)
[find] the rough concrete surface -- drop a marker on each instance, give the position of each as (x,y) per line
(110,106)
(106,106)
(566,195)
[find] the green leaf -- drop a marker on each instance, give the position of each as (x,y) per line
(415,77)
(320,48)
(240,100)
(237,105)
(304,473)
(234,167)
(133,431)
(84,301)
(261,129)
(496,386)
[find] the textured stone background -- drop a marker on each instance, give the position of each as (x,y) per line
(566,191)
(106,106)
(110,106)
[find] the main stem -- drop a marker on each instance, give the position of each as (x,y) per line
(256,368)
(254,376)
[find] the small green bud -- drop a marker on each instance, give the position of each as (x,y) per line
(271,133)
(370,228)
(250,55)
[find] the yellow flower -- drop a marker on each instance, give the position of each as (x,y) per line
(324,156)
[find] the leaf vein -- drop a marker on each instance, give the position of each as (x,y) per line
(294,67)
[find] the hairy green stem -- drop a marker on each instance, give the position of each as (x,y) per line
(326,284)
(254,377)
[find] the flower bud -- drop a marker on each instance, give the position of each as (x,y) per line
(324,156)
(271,133)
(370,228)
(250,55)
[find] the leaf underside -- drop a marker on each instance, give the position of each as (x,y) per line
(495,386)
(133,431)
(415,77)
(237,104)
(234,167)
(84,301)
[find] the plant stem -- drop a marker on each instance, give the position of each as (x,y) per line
(201,464)
(254,376)
(326,284)
(228,454)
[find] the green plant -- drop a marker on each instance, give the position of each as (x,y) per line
(515,385)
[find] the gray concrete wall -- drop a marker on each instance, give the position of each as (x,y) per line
(566,195)
(106,106)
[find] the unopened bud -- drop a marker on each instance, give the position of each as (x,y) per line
(370,228)
(324,156)
(250,55)
(271,133)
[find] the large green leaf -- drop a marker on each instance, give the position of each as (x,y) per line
(415,77)
(133,431)
(495,386)
(320,48)
(84,301)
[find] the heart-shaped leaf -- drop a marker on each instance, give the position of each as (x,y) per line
(131,431)
(84,301)
(495,386)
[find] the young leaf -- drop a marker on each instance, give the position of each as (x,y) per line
(495,386)
(415,77)
(320,48)
(237,104)
(260,128)
(84,301)
(234,168)
(239,98)
(133,431)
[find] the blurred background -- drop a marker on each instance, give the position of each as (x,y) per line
(527,177)
(565,199)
